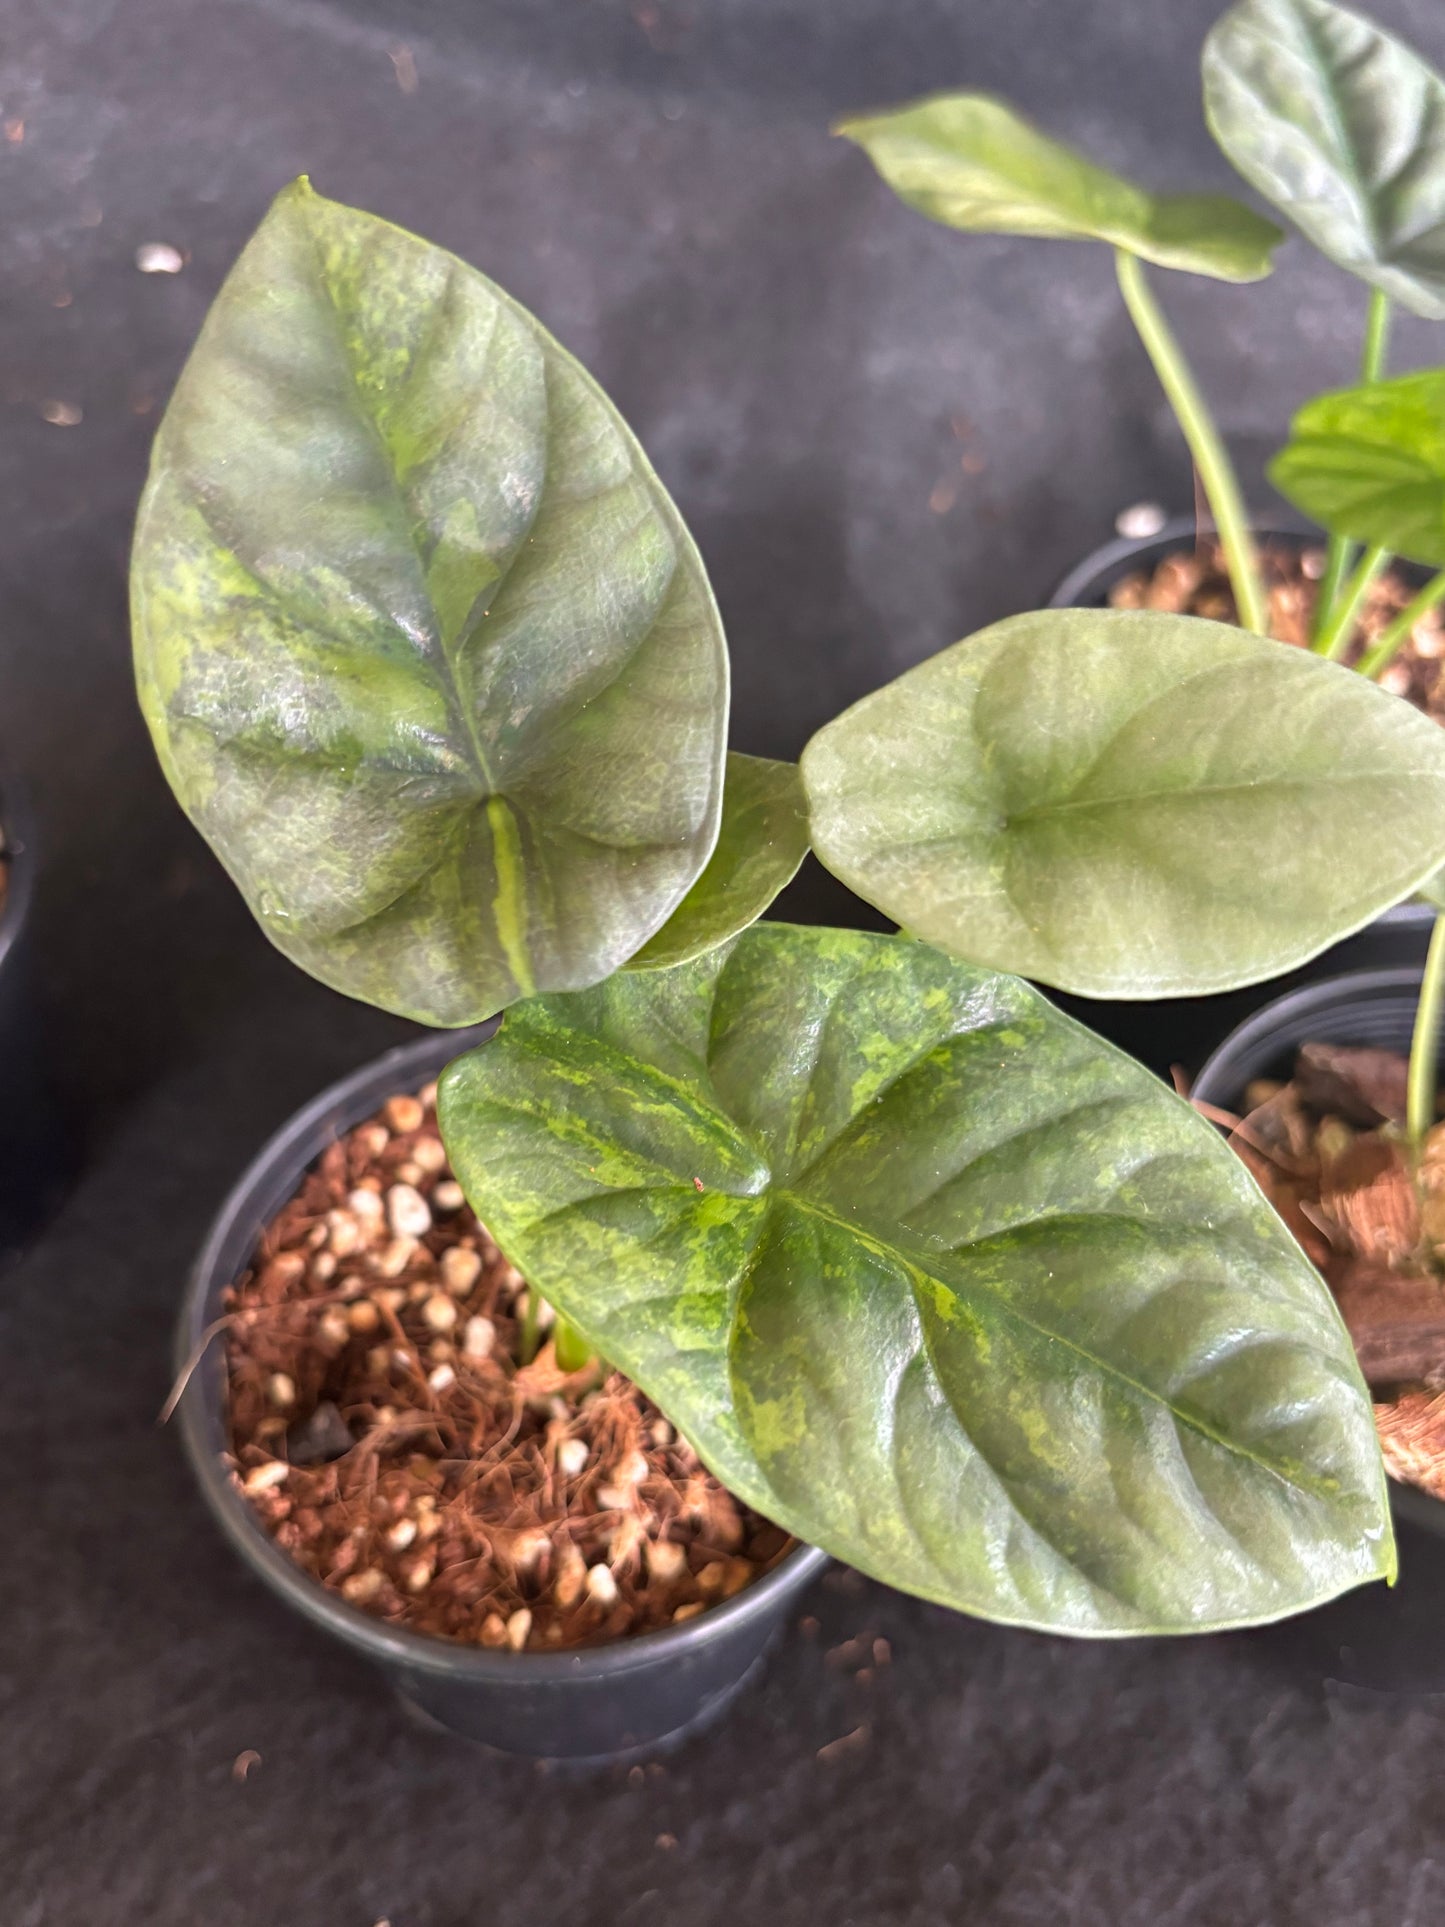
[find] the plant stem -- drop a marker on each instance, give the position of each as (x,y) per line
(1397,632)
(1333,639)
(571,1349)
(1216,473)
(1425,1045)
(1341,551)
(531,1326)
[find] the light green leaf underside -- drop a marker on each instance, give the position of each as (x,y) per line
(426,651)
(971,162)
(1128,804)
(935,1279)
(1369,463)
(1342,127)
(762,841)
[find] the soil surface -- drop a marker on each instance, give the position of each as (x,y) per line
(1329,1151)
(388,1437)
(1196,583)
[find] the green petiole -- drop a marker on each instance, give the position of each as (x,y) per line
(1341,551)
(1334,637)
(1211,459)
(1396,633)
(1425,1044)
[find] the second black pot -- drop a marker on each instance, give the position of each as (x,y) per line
(600,1703)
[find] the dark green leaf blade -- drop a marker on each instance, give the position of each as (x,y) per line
(426,651)
(1342,127)
(1369,463)
(936,1279)
(1129,804)
(971,162)
(762,841)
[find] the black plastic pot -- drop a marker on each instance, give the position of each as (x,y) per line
(34,1160)
(1365,1007)
(1375,1638)
(604,1703)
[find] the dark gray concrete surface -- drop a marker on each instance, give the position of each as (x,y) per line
(808,364)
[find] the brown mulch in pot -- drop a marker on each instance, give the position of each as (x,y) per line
(1195,583)
(388,1438)
(1328,1150)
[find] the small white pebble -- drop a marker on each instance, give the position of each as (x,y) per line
(440,1352)
(571,1457)
(571,1578)
(365,1205)
(389,1297)
(614,1498)
(402,1359)
(448,1195)
(403,1114)
(323,1267)
(478,1337)
(159,257)
(440,1312)
(408,1211)
(281,1388)
(527,1550)
(660,1433)
(334,1326)
(631,1470)
(518,1627)
(400,1536)
(665,1560)
(1140,520)
(373,1139)
(429,1153)
(266,1477)
(442,1379)
(394,1259)
(420,1575)
(460,1269)
(363,1316)
(345,1233)
(1313,563)
(1396,679)
(410,1173)
(360,1586)
(601,1586)
(427,1096)
(378,1360)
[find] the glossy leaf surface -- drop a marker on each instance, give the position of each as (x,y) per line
(426,651)
(763,839)
(1129,804)
(971,162)
(934,1278)
(1343,128)
(1370,463)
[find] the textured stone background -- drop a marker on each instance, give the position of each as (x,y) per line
(657,182)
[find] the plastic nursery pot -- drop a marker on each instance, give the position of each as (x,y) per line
(600,1703)
(1364,1007)
(33,1156)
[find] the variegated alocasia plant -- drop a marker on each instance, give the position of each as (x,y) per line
(925,1270)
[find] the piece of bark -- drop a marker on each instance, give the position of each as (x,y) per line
(1364,1087)
(1396,1321)
(1412,1440)
(1367,1191)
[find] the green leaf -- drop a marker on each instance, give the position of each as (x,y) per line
(426,650)
(763,839)
(1129,804)
(1369,463)
(1343,128)
(971,162)
(936,1279)
(1432,890)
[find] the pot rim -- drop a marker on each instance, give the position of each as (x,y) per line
(1175,532)
(295,1145)
(1408,1501)
(19,843)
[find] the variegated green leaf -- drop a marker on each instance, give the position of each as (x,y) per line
(971,162)
(1129,804)
(1343,128)
(936,1279)
(763,839)
(426,651)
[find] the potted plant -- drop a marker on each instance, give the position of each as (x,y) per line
(1335,122)
(917,1268)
